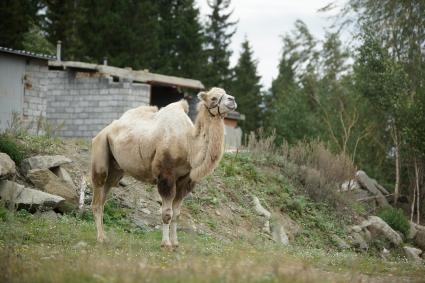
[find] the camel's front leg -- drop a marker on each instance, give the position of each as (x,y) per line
(174,221)
(167,190)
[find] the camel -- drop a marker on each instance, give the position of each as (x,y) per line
(162,147)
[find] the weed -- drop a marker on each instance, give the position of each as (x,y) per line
(13,148)
(396,219)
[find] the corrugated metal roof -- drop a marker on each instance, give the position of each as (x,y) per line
(139,76)
(27,53)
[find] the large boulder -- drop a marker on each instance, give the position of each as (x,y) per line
(43,162)
(379,228)
(46,181)
(64,176)
(373,187)
(412,254)
(25,198)
(7,166)
(419,239)
(358,242)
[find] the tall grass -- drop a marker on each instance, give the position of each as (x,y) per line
(318,171)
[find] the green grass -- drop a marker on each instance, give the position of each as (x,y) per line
(33,249)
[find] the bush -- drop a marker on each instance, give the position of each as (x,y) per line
(14,149)
(396,219)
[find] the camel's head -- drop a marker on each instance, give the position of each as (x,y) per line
(217,101)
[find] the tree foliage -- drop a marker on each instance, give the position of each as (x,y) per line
(247,88)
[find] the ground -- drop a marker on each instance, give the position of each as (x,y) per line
(221,238)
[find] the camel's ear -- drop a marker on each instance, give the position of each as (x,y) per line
(202,95)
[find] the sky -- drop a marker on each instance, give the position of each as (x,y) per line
(263,22)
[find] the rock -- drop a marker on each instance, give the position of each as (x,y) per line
(279,235)
(278,231)
(356,228)
(359,242)
(370,185)
(340,243)
(80,245)
(146,211)
(124,182)
(412,254)
(43,162)
(259,208)
(63,175)
(7,166)
(49,215)
(419,239)
(26,198)
(349,186)
(379,227)
(48,182)
(412,231)
(385,254)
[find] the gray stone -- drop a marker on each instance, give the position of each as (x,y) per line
(370,184)
(7,166)
(64,176)
(358,242)
(48,182)
(340,243)
(379,228)
(26,198)
(146,211)
(412,254)
(412,231)
(356,228)
(419,239)
(80,245)
(43,162)
(49,215)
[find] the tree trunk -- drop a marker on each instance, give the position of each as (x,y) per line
(397,165)
(417,192)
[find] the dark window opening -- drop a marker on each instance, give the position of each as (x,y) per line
(115,79)
(163,95)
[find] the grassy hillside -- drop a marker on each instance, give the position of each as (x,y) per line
(221,236)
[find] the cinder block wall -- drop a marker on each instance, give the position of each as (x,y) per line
(82,104)
(35,90)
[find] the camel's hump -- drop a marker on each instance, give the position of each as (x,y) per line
(184,105)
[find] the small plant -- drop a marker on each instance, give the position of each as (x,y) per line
(396,219)
(12,147)
(3,213)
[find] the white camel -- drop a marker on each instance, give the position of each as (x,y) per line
(162,147)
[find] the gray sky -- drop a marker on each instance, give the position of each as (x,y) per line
(264,21)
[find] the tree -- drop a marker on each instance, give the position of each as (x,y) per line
(64,21)
(16,18)
(125,32)
(180,38)
(219,32)
(247,89)
(291,101)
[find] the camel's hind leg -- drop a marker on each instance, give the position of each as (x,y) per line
(183,186)
(105,174)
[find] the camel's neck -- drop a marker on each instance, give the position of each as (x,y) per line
(206,144)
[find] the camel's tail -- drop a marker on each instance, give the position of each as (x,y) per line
(100,155)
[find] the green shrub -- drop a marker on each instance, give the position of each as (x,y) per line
(14,149)
(396,219)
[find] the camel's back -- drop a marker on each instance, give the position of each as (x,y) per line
(142,132)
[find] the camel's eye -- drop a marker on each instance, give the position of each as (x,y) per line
(214,99)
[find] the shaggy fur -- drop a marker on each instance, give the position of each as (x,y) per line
(161,147)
